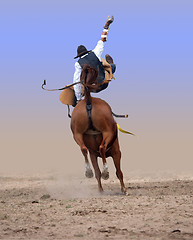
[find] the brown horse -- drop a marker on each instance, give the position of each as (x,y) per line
(95,130)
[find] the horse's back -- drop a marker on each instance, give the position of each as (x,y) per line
(101,116)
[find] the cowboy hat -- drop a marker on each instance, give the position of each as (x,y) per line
(81,50)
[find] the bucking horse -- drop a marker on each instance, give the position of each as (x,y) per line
(95,130)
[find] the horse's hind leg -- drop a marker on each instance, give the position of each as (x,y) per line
(105,172)
(88,170)
(107,138)
(79,139)
(94,161)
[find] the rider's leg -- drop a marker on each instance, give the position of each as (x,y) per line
(113,68)
(109,59)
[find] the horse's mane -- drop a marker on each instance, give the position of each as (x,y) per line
(88,77)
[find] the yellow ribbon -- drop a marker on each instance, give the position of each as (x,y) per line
(123,131)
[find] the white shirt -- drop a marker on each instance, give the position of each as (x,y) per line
(98,50)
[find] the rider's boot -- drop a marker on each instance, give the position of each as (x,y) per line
(109,59)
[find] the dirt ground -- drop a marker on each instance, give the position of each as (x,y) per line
(48,207)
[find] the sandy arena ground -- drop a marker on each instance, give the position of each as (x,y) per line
(47,207)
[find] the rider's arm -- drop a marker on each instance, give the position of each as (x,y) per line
(104,35)
(76,78)
(106,28)
(98,50)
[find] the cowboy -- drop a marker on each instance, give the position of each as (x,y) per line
(93,58)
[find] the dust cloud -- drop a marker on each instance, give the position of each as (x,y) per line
(44,146)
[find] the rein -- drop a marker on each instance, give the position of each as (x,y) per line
(67,86)
(58,89)
(70,85)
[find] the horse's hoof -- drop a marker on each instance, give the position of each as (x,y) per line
(101,191)
(105,175)
(124,191)
(89,173)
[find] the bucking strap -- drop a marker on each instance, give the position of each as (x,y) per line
(89,109)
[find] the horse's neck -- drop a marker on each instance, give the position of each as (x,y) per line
(88,97)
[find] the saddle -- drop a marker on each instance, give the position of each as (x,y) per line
(67,95)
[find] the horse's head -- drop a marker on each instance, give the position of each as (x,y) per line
(88,77)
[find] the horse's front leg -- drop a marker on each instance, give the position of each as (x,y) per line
(117,159)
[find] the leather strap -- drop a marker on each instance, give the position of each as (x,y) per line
(89,109)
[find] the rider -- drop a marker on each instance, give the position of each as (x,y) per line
(93,58)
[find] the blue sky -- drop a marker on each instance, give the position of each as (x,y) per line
(39,39)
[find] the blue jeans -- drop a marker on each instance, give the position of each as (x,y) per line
(113,68)
(105,85)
